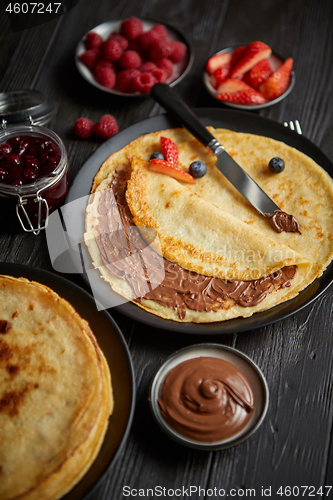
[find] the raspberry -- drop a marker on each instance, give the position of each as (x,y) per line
(105,76)
(93,41)
(83,128)
(144,83)
(123,42)
(90,57)
(106,127)
(177,51)
(112,50)
(147,38)
(161,31)
(159,50)
(147,67)
(125,80)
(160,75)
(166,65)
(130,59)
(131,28)
(104,64)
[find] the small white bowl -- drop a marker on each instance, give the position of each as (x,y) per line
(180,69)
(243,363)
(275,61)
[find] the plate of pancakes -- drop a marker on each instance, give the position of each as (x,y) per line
(220,267)
(67,387)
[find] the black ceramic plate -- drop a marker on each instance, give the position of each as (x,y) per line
(116,352)
(238,121)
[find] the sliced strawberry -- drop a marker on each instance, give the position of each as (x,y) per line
(219,75)
(238,92)
(163,167)
(217,61)
(278,82)
(258,74)
(236,54)
(255,52)
(170,151)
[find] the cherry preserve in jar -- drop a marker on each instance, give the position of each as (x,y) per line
(33,161)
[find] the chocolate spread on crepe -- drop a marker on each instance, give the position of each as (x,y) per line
(180,288)
(206,399)
(281,221)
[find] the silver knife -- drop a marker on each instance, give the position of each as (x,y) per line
(165,96)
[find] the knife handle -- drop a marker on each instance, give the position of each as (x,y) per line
(172,103)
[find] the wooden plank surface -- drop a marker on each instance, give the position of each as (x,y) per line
(293,447)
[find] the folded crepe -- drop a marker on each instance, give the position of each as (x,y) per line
(221,258)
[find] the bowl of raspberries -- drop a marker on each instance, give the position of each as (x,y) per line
(249,76)
(128,56)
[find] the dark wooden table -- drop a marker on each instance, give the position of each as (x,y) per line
(294,445)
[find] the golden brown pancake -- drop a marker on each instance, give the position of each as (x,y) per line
(55,393)
(208,227)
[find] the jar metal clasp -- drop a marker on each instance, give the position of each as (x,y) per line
(25,221)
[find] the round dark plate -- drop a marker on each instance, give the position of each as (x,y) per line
(238,121)
(116,352)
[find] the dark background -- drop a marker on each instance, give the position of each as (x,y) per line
(294,444)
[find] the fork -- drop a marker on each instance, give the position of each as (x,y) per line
(294,126)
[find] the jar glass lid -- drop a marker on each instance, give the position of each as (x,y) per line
(25,106)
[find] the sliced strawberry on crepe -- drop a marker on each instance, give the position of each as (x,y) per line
(278,82)
(217,61)
(238,92)
(219,75)
(258,74)
(169,150)
(255,52)
(163,167)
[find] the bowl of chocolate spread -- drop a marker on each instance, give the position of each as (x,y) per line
(209,396)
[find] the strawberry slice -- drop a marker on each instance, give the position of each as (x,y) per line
(278,82)
(170,151)
(163,167)
(236,54)
(219,75)
(255,52)
(238,92)
(258,74)
(217,61)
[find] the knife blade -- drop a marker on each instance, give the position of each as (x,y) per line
(235,174)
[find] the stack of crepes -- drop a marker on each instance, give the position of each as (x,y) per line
(55,393)
(221,259)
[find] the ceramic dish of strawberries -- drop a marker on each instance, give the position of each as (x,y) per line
(249,76)
(128,56)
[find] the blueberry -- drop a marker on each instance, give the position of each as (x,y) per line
(276,165)
(198,169)
(160,156)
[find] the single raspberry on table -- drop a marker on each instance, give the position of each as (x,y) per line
(125,80)
(90,57)
(84,128)
(105,76)
(123,42)
(93,41)
(130,59)
(177,51)
(144,82)
(106,127)
(112,50)
(131,28)
(166,65)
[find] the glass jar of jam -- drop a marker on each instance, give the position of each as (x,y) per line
(33,160)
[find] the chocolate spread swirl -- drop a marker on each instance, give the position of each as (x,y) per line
(121,247)
(281,221)
(206,399)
